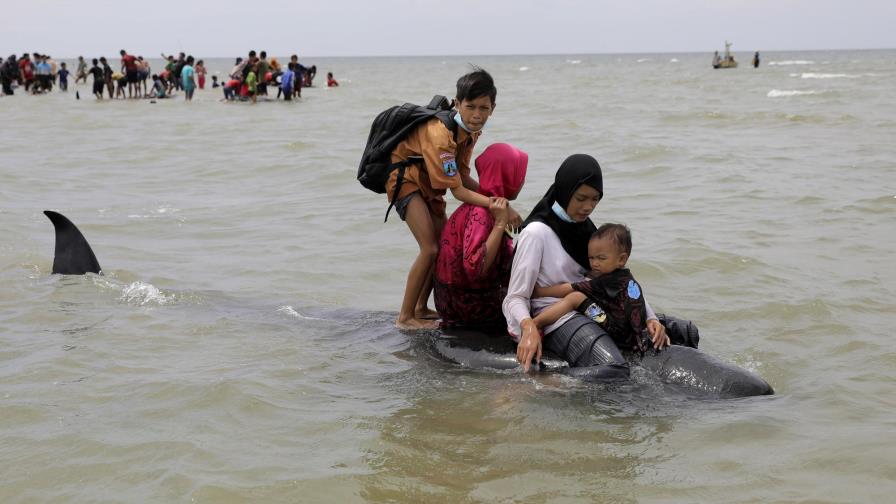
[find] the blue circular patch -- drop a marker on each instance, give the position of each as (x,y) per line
(634,290)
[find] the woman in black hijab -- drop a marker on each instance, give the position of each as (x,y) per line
(553,249)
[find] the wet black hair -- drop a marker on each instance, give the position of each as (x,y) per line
(476,84)
(263,54)
(95,61)
(252,53)
(619,233)
(189,60)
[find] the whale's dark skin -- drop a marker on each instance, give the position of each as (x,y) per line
(693,371)
(681,364)
(73,255)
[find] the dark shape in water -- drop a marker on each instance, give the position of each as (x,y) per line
(682,364)
(73,254)
(693,371)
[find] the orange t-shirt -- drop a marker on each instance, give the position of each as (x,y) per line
(444,163)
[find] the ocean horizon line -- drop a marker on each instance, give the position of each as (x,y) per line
(493,55)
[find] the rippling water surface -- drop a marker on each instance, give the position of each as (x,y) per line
(239,345)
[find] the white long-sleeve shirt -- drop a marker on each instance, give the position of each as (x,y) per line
(539,258)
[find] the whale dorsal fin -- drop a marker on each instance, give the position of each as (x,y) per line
(73,254)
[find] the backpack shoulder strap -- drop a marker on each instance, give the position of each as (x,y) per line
(447,118)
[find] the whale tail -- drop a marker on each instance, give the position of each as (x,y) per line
(73,254)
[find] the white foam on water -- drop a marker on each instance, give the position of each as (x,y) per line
(812,75)
(524,69)
(779,93)
(143,294)
(751,364)
(573,62)
(289,310)
(792,62)
(642,60)
(161,211)
(673,60)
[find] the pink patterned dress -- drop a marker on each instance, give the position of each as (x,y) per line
(466,294)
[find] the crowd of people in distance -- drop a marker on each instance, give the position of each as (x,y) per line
(250,77)
(253,76)
(37,75)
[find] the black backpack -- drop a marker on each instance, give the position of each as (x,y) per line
(388,130)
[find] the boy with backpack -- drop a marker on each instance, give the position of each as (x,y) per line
(432,156)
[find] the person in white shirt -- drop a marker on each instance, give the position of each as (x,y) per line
(553,249)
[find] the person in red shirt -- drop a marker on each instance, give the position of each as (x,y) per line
(26,72)
(129,69)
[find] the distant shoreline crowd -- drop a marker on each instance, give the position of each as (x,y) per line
(250,77)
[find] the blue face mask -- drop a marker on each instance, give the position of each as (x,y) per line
(560,212)
(460,122)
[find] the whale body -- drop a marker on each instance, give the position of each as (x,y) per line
(682,364)
(689,369)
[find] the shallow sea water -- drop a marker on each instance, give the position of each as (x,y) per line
(239,345)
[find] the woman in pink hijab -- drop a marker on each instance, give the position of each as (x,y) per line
(475,252)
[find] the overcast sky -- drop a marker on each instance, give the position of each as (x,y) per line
(66,28)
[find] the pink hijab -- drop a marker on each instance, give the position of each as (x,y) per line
(502,170)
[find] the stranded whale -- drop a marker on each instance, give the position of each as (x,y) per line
(693,371)
(689,368)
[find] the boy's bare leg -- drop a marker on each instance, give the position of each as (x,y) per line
(421,310)
(422,227)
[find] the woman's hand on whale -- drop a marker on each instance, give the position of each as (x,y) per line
(529,345)
(658,334)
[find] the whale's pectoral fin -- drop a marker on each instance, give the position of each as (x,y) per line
(73,254)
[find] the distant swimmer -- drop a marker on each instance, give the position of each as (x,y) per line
(331,82)
(99,79)
(63,77)
(716,60)
(756,60)
(158,88)
(188,78)
(287,82)
(200,73)
(81,73)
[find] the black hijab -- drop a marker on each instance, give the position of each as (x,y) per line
(576,170)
